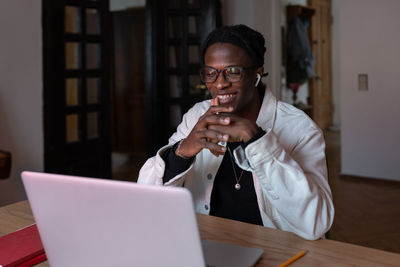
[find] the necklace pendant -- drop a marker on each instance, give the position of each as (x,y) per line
(237,186)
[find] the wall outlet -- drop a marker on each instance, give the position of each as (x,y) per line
(363,82)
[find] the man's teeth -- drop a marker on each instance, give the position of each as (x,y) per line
(222,97)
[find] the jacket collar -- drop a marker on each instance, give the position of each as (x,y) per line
(267,115)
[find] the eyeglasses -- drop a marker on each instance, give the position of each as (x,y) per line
(231,74)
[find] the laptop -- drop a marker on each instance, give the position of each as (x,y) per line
(95,222)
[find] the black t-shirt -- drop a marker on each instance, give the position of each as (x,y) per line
(226,201)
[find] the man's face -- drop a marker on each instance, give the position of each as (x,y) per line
(241,94)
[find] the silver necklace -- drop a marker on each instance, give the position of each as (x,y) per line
(237,185)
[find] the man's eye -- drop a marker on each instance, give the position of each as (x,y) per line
(210,73)
(233,71)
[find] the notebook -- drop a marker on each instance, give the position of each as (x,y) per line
(95,222)
(21,248)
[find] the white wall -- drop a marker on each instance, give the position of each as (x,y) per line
(237,12)
(21,127)
(369,42)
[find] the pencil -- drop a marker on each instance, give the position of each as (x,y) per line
(294,258)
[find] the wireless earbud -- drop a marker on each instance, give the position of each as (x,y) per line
(258,79)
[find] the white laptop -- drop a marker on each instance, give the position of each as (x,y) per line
(95,222)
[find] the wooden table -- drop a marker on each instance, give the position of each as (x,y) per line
(278,245)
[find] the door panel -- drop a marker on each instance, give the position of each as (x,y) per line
(321,85)
(129,90)
(76,100)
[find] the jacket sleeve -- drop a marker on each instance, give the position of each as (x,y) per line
(294,184)
(153,170)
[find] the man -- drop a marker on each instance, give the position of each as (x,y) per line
(273,170)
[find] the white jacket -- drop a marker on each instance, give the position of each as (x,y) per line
(288,166)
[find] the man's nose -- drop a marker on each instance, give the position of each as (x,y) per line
(221,82)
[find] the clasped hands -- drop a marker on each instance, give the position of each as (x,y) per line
(218,124)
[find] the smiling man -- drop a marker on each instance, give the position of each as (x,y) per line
(243,154)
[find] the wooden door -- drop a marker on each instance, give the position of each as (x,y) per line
(129,90)
(177,28)
(320,86)
(76,87)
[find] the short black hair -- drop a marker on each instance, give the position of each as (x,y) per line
(241,35)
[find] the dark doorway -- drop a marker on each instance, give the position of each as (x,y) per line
(128,94)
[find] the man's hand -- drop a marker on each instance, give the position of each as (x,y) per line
(238,129)
(218,124)
(203,136)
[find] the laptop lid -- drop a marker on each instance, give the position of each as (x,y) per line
(95,222)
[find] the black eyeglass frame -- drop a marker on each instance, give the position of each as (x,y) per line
(225,73)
